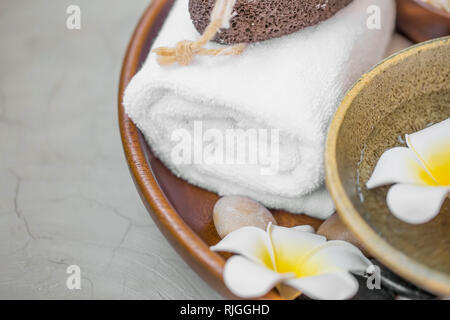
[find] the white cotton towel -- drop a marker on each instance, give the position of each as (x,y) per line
(292,84)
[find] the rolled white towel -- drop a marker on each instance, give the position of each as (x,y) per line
(288,88)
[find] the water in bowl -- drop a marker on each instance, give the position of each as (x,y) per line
(433,237)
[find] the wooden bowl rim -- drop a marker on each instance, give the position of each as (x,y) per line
(423,276)
(432,9)
(187,243)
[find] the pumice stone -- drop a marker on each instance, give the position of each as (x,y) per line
(259,20)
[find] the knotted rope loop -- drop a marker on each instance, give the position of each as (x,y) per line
(185,51)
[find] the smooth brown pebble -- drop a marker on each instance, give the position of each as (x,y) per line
(234,212)
(334,229)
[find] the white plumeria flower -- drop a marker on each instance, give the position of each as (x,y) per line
(422,174)
(294,259)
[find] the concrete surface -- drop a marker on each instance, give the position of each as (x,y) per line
(66,197)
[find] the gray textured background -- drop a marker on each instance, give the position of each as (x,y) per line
(66,196)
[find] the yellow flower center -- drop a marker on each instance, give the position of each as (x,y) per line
(301,268)
(438,164)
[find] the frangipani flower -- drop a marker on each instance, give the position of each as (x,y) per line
(294,259)
(422,174)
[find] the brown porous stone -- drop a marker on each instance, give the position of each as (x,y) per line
(259,20)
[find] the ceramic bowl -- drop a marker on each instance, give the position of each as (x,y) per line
(403,94)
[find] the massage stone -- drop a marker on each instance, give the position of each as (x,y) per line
(259,20)
(234,212)
(334,229)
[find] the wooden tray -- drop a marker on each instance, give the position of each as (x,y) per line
(182,212)
(420,21)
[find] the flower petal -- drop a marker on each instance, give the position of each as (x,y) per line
(290,246)
(334,255)
(327,286)
(399,165)
(325,271)
(304,228)
(248,279)
(416,204)
(432,147)
(251,242)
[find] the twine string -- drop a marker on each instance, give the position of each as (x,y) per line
(185,51)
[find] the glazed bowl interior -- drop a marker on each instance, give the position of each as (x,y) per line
(403,94)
